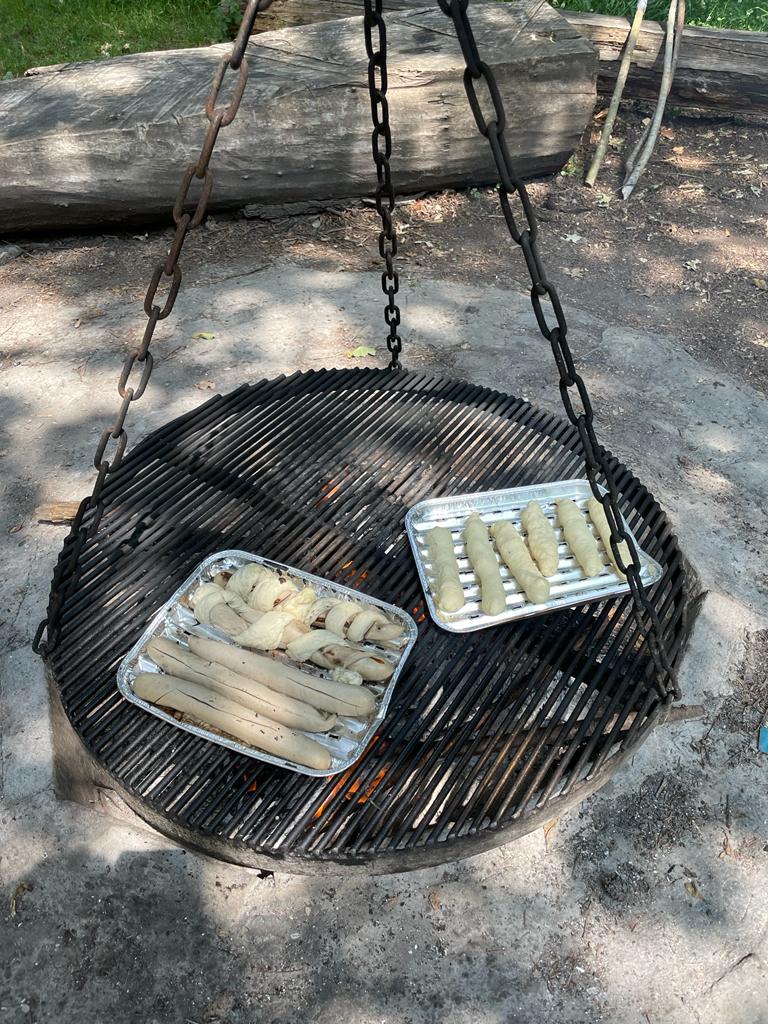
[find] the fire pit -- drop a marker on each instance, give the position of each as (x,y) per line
(489,734)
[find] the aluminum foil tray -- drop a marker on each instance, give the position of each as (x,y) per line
(348,740)
(569,586)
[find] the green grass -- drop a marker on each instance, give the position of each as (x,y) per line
(35,32)
(744,14)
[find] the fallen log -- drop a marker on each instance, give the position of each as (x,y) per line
(108,141)
(718,69)
(289,13)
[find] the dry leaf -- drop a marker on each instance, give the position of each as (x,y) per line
(19,891)
(761,283)
(573,238)
(547,829)
(434,899)
(16,528)
(204,335)
(693,890)
(727,850)
(692,264)
(678,149)
(205,385)
(577,272)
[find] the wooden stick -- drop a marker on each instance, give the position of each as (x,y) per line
(632,158)
(59,513)
(618,92)
(675,22)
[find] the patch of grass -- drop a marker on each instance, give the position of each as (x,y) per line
(36,32)
(743,14)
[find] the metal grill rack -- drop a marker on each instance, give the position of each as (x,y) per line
(488,734)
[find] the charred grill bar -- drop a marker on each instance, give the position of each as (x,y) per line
(488,735)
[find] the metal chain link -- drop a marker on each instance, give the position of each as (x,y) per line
(166,272)
(543,293)
(381,142)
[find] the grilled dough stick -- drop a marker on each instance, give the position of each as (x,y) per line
(597,515)
(326,694)
(579,537)
(449,592)
(211,708)
(512,549)
(542,541)
(178,661)
(267,631)
(483,558)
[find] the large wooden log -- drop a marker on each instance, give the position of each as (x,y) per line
(108,141)
(717,68)
(289,13)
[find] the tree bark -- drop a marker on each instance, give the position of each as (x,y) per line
(108,141)
(717,68)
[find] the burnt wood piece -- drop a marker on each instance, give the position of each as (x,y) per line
(717,68)
(107,141)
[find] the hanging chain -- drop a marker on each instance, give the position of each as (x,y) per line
(168,273)
(381,141)
(595,456)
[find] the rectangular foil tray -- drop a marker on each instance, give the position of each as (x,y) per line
(569,586)
(347,742)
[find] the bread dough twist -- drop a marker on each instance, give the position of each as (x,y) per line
(579,537)
(268,631)
(264,590)
(542,541)
(600,522)
(449,593)
(512,549)
(483,558)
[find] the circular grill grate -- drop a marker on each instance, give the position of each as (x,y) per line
(487,732)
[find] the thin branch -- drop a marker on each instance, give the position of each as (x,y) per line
(632,158)
(675,23)
(618,92)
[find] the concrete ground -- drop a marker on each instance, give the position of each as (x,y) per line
(648,905)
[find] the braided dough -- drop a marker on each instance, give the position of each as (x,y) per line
(263,590)
(449,592)
(542,541)
(267,631)
(579,537)
(483,558)
(512,549)
(600,522)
